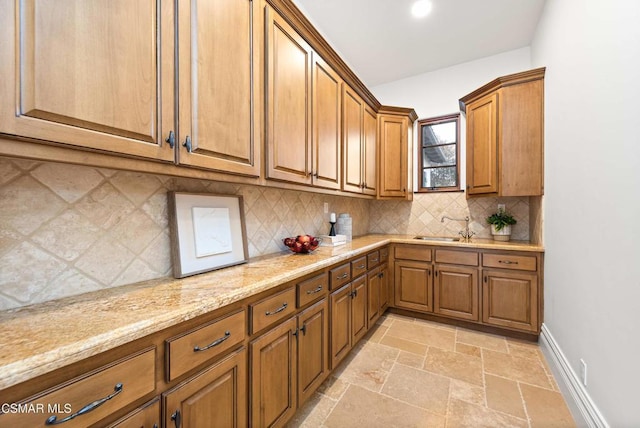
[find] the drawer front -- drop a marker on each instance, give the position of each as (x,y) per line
(272,309)
(373,259)
(509,261)
(384,254)
(312,289)
(189,350)
(358,266)
(340,275)
(121,384)
(413,252)
(457,257)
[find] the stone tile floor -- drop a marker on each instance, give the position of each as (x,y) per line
(415,373)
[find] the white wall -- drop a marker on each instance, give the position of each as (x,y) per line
(591,49)
(437,93)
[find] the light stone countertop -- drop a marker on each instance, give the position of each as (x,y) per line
(41,338)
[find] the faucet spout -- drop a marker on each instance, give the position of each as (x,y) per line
(466,233)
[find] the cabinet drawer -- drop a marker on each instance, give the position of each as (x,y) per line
(272,309)
(358,266)
(384,254)
(457,257)
(120,383)
(340,275)
(373,259)
(312,289)
(509,261)
(189,350)
(413,252)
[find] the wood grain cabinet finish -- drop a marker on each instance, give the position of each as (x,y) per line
(327,126)
(413,285)
(373,295)
(124,381)
(272,309)
(288,101)
(274,375)
(359,144)
(78,88)
(340,275)
(147,416)
(505,131)
(312,289)
(510,299)
(396,149)
(216,396)
(191,349)
(340,326)
(359,325)
(455,292)
(385,290)
(219,85)
(313,349)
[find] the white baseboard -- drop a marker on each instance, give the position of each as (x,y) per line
(582,407)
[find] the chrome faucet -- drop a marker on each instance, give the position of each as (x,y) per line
(466,233)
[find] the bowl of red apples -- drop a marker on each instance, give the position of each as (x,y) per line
(302,243)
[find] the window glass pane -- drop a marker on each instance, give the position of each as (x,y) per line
(442,133)
(439,177)
(439,156)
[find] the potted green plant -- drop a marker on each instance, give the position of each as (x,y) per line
(501,222)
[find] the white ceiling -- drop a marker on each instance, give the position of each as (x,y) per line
(382,42)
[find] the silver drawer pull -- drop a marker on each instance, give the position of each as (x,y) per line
(507,262)
(374,260)
(214,343)
(53,420)
(343,276)
(317,290)
(360,267)
(280,309)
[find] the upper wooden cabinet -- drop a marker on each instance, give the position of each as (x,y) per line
(359,144)
(96,75)
(396,149)
(505,132)
(288,101)
(218,85)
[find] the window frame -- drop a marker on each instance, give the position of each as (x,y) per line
(454,117)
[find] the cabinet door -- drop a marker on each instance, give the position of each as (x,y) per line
(352,137)
(288,101)
(393,156)
(327,105)
(92,74)
(216,86)
(147,416)
(273,376)
(456,292)
(482,145)
(373,295)
(384,289)
(370,148)
(413,285)
(313,349)
(217,396)
(340,324)
(510,299)
(358,309)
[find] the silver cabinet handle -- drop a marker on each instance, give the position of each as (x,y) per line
(280,309)
(214,343)
(317,290)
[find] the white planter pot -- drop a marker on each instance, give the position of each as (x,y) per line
(503,234)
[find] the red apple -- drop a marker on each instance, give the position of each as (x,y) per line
(304,238)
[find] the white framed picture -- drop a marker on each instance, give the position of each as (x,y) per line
(207,232)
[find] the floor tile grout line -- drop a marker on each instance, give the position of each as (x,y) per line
(524,404)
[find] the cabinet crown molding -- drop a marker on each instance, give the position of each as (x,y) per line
(501,82)
(399,111)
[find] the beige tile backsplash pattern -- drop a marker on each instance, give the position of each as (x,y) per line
(67,229)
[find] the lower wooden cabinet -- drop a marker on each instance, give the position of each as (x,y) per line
(413,285)
(273,375)
(216,396)
(359,319)
(510,299)
(348,318)
(147,416)
(456,292)
(313,349)
(377,293)
(385,291)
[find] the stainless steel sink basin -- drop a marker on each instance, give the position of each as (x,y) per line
(438,238)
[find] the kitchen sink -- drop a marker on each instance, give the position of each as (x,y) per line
(438,238)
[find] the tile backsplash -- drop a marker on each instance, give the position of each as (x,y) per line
(68,229)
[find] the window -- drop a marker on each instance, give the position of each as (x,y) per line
(438,154)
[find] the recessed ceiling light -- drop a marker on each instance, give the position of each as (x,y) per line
(421,8)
